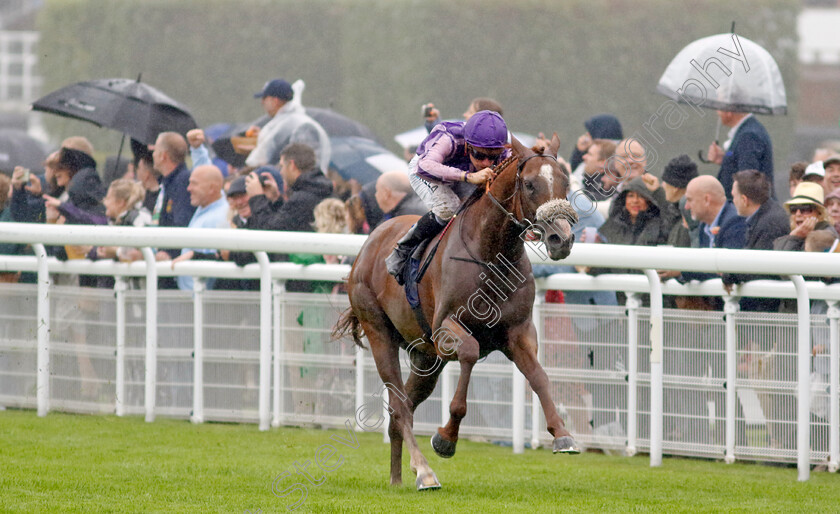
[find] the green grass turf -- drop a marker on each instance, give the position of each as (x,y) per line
(76,463)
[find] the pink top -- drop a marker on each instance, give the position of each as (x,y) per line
(432,163)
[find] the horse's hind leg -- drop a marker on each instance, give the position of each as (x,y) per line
(418,387)
(522,350)
(383,345)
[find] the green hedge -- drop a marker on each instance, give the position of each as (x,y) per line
(552,64)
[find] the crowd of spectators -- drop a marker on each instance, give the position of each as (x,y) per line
(286,185)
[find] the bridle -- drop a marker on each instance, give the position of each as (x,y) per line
(511,216)
(516,188)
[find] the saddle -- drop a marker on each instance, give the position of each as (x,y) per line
(413,273)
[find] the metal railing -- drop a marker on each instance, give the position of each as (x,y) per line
(637,404)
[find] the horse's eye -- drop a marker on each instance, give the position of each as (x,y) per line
(529,187)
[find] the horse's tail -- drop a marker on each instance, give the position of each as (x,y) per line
(348,325)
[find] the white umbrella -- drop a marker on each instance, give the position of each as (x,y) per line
(726,72)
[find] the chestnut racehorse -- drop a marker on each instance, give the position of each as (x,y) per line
(477,295)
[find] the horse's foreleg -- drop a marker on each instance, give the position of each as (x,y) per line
(466,348)
(523,352)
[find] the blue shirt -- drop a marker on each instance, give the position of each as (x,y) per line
(708,228)
(200,156)
(210,216)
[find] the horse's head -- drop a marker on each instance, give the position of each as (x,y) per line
(544,185)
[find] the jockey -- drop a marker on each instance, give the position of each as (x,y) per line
(454,155)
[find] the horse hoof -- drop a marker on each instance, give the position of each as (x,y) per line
(427,482)
(566,444)
(442,447)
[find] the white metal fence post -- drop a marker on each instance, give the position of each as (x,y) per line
(656,341)
(446,392)
(730,309)
(360,384)
(834,388)
(279,293)
(151,333)
(803,366)
(120,287)
(199,286)
(633,303)
(43,323)
(386,414)
(536,409)
(518,404)
(265,341)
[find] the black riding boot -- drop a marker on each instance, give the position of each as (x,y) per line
(426,227)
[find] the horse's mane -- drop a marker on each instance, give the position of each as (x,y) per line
(479,191)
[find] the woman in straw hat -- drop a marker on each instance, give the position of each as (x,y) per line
(807,213)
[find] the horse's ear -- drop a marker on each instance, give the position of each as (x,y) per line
(554,145)
(519,149)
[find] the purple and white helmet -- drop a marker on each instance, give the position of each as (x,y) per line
(486,129)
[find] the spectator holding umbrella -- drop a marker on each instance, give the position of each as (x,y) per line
(704,74)
(747,148)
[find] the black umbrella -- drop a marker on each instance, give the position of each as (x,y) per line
(130,106)
(339,125)
(223,147)
(363,159)
(17,148)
